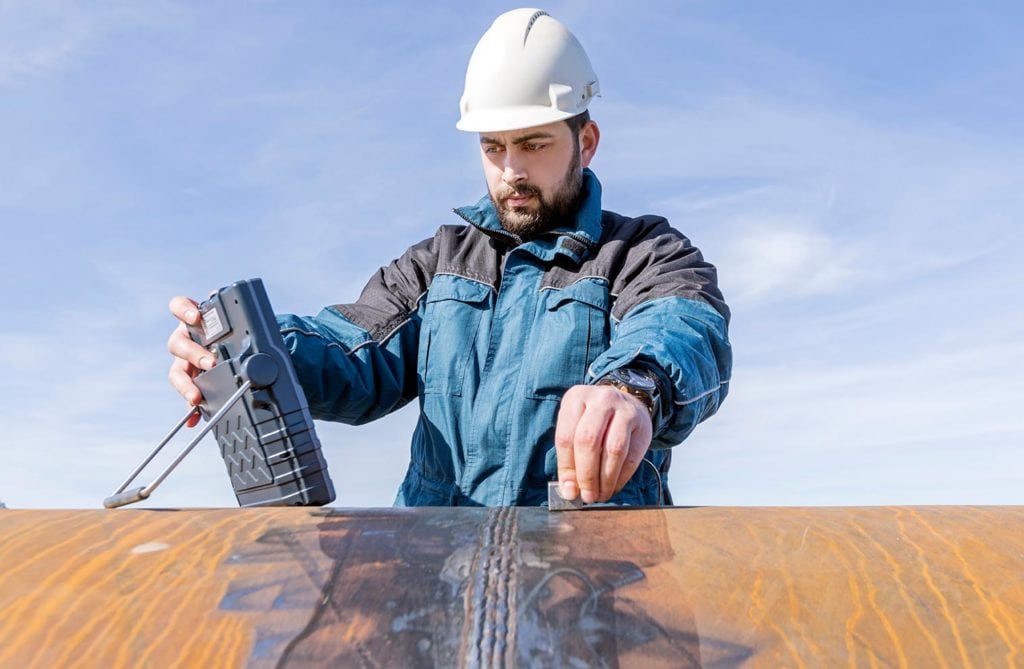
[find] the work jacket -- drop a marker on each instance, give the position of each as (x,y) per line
(488,331)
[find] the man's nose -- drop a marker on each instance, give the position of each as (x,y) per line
(514,171)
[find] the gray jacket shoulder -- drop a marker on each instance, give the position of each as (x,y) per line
(645,258)
(393,293)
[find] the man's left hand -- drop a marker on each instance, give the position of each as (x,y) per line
(601,436)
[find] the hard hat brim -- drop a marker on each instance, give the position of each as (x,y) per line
(512,118)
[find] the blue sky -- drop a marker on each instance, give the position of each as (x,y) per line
(856,172)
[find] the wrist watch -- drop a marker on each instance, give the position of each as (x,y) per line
(641,386)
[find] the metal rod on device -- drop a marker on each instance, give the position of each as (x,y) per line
(159,447)
(121,498)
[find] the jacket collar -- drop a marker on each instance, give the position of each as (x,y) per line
(575,240)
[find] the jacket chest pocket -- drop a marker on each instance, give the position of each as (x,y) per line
(570,331)
(452,313)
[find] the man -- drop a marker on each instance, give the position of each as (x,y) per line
(542,335)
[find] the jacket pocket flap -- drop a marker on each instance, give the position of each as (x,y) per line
(588,291)
(449,287)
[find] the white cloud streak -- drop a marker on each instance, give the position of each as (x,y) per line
(936,428)
(46,37)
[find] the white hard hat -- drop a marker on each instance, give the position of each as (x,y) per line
(526,70)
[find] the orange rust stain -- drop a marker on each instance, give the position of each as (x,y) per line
(83,638)
(72,574)
(879,612)
(852,617)
(905,588)
(97,599)
(190,557)
(1013,646)
(760,612)
(799,612)
(926,574)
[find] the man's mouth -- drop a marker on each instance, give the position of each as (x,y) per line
(518,198)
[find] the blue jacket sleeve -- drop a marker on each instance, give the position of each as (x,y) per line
(358,362)
(670,317)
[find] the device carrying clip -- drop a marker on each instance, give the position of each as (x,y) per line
(121,497)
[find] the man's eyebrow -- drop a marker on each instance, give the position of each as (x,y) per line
(532,136)
(518,140)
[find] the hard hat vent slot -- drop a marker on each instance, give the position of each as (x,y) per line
(562,97)
(529,24)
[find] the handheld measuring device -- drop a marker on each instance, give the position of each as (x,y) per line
(253,404)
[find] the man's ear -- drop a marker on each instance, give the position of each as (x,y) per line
(590,137)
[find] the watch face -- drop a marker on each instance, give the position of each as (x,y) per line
(638,380)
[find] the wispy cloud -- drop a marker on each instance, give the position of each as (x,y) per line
(45,37)
(846,200)
(935,428)
(775,260)
(38,38)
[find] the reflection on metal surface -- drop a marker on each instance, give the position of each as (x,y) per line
(513,587)
(486,588)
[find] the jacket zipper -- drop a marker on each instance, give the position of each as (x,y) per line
(504,233)
(519,240)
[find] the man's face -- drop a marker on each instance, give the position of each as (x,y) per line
(534,176)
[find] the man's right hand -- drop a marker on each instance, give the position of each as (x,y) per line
(190,359)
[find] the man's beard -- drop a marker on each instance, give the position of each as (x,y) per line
(560,210)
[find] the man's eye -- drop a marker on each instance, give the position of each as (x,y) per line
(534,147)
(492,149)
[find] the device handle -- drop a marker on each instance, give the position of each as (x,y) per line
(121,498)
(159,447)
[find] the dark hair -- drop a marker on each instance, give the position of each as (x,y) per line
(576,124)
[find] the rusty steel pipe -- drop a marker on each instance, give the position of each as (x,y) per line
(711,587)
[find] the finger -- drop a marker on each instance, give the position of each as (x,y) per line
(180,376)
(191,357)
(181,346)
(639,443)
(569,413)
(185,309)
(613,456)
(587,447)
